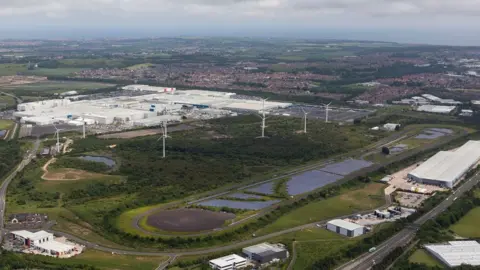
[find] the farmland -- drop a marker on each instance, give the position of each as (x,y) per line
(468,226)
(48,88)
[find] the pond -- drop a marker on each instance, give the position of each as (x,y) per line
(105,160)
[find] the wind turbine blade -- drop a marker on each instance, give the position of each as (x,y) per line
(329,104)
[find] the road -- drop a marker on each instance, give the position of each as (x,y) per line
(403,237)
(3,188)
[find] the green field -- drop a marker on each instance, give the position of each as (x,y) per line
(6,102)
(420,256)
(140,66)
(6,124)
(53,71)
(11,69)
(53,87)
(468,225)
(108,261)
(369,197)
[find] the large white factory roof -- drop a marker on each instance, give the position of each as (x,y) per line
(436,109)
(345,224)
(263,247)
(449,166)
(228,260)
(456,253)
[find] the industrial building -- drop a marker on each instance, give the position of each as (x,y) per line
(230,262)
(436,109)
(391,126)
(447,167)
(265,253)
(43,242)
(346,228)
(141,110)
(456,253)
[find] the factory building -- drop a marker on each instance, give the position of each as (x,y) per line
(436,109)
(129,110)
(230,262)
(43,242)
(346,228)
(456,253)
(446,168)
(265,253)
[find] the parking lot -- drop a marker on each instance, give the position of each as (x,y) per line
(400,181)
(409,199)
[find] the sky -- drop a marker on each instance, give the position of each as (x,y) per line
(417,21)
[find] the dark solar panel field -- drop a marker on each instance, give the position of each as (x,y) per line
(266,188)
(247,205)
(243,196)
(309,181)
(346,167)
(434,133)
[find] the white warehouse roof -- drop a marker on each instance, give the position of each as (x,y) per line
(32,235)
(55,246)
(228,260)
(260,248)
(436,109)
(449,166)
(456,253)
(345,224)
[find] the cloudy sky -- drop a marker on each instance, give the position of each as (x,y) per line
(430,21)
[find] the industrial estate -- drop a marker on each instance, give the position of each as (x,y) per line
(242,165)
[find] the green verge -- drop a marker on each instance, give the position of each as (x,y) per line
(420,256)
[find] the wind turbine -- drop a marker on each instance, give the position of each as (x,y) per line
(263,118)
(57,132)
(305,121)
(84,123)
(164,136)
(326,111)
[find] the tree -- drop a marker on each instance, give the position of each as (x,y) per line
(385,150)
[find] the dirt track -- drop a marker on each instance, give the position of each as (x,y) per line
(66,174)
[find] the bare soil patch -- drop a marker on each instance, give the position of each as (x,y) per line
(66,174)
(188,220)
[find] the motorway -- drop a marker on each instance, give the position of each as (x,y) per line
(3,188)
(403,237)
(363,262)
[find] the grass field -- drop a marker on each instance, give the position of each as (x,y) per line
(52,87)
(11,69)
(420,256)
(5,124)
(108,261)
(140,66)
(6,101)
(468,225)
(369,197)
(53,71)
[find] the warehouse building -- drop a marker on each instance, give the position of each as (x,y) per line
(346,228)
(456,253)
(436,109)
(43,242)
(265,253)
(229,262)
(447,168)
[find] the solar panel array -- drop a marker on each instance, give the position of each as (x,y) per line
(243,196)
(266,188)
(309,181)
(346,167)
(247,205)
(434,133)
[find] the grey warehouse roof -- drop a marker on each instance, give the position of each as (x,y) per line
(449,166)
(456,253)
(263,248)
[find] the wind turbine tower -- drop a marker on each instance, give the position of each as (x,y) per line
(305,121)
(164,136)
(326,111)
(263,118)
(57,132)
